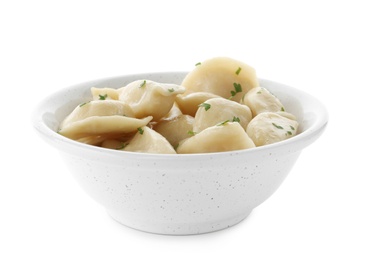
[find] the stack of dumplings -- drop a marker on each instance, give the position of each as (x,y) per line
(218,107)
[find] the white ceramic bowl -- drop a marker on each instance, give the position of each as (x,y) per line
(179,194)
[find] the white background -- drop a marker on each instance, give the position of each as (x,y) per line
(322,211)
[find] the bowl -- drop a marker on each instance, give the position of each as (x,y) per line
(178,194)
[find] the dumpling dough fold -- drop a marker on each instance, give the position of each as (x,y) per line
(150,98)
(103,125)
(228,136)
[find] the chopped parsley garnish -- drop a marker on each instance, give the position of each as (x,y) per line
(83,104)
(143,83)
(236,119)
(289,132)
(277,126)
(171,89)
(198,63)
(259,92)
(190,132)
(283,109)
(205,105)
(292,128)
(122,146)
(223,123)
(140,130)
(237,89)
(103,97)
(238,70)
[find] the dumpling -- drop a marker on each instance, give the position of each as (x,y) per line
(227,136)
(268,127)
(188,104)
(97,108)
(261,100)
(149,98)
(104,93)
(103,125)
(176,129)
(173,113)
(217,110)
(221,76)
(147,140)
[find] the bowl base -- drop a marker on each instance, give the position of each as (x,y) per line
(178,229)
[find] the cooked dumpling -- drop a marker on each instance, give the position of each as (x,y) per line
(261,100)
(97,108)
(149,98)
(103,125)
(217,110)
(147,140)
(227,136)
(189,103)
(269,127)
(104,93)
(176,129)
(221,76)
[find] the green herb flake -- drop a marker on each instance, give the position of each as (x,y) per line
(236,119)
(122,146)
(259,92)
(223,123)
(171,90)
(238,70)
(143,84)
(83,104)
(190,132)
(283,110)
(292,128)
(103,97)
(140,130)
(277,126)
(237,89)
(205,105)
(198,63)
(289,132)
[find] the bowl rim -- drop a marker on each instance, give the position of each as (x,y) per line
(64,143)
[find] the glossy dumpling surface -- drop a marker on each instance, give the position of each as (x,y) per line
(150,98)
(147,140)
(97,108)
(226,137)
(176,129)
(217,110)
(188,104)
(261,100)
(268,127)
(222,76)
(103,125)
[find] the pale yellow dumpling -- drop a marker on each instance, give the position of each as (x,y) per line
(150,98)
(261,100)
(217,110)
(103,125)
(188,104)
(225,137)
(97,108)
(221,76)
(147,140)
(268,127)
(176,129)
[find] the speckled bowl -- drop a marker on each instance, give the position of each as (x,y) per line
(179,194)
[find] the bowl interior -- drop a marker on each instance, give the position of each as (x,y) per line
(310,113)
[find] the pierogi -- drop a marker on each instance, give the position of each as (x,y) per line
(218,107)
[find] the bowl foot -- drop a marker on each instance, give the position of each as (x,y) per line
(194,228)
